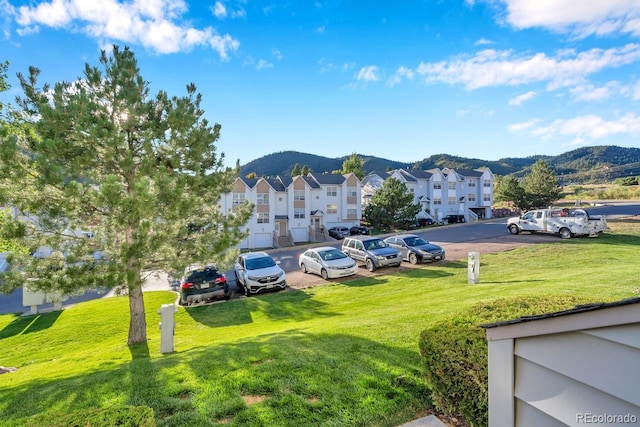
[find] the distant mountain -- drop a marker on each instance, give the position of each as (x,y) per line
(588,164)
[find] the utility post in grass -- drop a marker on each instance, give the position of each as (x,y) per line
(473,268)
(116,182)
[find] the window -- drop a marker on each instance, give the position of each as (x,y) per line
(471,197)
(263,218)
(332,209)
(352,209)
(411,190)
(472,183)
(332,191)
(263,198)
(452,185)
(486,197)
(238,198)
(298,213)
(437,201)
(452,200)
(486,183)
(298,195)
(352,192)
(437,185)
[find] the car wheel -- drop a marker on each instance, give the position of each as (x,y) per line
(513,229)
(247,293)
(324,274)
(370,265)
(304,268)
(413,259)
(565,233)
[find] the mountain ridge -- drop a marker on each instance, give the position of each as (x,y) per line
(586,164)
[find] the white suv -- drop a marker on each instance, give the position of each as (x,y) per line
(257,271)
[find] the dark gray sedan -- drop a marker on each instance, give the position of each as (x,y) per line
(415,249)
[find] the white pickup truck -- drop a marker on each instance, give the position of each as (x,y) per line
(565,222)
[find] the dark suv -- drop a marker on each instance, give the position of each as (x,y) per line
(452,219)
(203,284)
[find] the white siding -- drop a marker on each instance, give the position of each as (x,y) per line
(262,240)
(300,234)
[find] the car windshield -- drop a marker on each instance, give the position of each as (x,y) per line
(330,255)
(415,241)
(258,263)
(374,244)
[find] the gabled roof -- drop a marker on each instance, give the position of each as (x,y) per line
(285,180)
(249,182)
(381,174)
(329,178)
(311,182)
(406,175)
(471,173)
(420,174)
(276,184)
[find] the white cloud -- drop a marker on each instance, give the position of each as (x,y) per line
(277,54)
(518,100)
(262,64)
(582,128)
(521,127)
(321,29)
(155,24)
(368,74)
(219,10)
(578,17)
(504,68)
(400,74)
(482,42)
(589,92)
(636,92)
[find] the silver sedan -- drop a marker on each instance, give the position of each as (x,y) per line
(328,262)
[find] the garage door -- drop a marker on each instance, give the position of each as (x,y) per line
(300,234)
(262,240)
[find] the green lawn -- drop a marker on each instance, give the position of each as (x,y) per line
(340,354)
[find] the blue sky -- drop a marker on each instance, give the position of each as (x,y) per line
(401,80)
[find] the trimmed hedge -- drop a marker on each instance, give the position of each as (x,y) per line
(122,416)
(454,352)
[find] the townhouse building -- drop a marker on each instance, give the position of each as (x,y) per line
(441,192)
(291,210)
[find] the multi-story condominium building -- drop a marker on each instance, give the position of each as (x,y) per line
(441,192)
(296,209)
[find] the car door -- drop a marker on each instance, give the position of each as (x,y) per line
(240,270)
(402,247)
(314,263)
(395,243)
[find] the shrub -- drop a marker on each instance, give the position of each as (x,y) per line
(454,352)
(122,416)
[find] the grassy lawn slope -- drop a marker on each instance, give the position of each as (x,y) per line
(336,355)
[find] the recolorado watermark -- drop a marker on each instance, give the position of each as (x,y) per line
(589,418)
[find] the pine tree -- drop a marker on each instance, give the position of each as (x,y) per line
(541,185)
(140,174)
(296,170)
(391,206)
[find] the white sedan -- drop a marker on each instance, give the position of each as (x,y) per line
(328,262)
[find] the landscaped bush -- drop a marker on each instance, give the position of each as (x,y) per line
(454,352)
(123,416)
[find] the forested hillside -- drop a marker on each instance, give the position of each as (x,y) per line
(588,164)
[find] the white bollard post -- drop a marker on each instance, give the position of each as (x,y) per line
(167,327)
(473,268)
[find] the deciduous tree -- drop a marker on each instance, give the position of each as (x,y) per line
(355,165)
(117,182)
